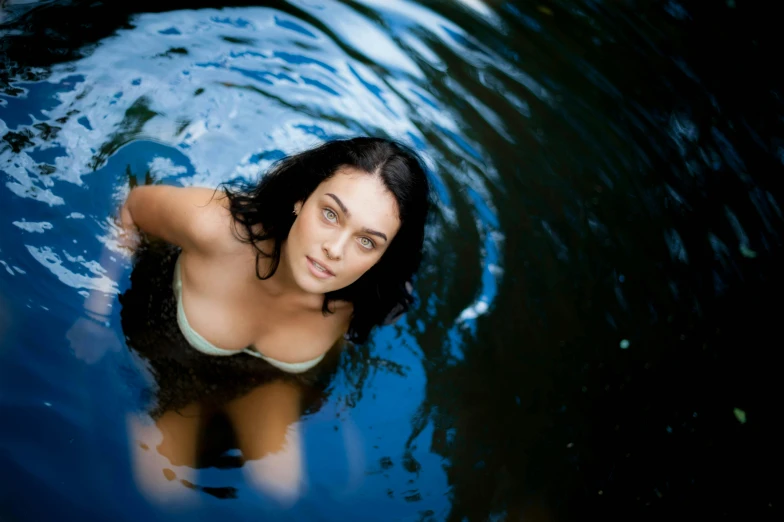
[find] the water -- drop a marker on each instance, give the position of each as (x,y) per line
(597,322)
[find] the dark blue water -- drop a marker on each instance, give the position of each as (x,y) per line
(597,319)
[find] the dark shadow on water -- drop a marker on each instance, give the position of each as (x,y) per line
(638,319)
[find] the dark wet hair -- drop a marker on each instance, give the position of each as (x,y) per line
(384,290)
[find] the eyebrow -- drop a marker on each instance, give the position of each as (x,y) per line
(348,214)
(375,233)
(340,204)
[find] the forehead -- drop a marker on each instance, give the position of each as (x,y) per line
(365,197)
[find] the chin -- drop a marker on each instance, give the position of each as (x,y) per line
(310,284)
(318,289)
(307,284)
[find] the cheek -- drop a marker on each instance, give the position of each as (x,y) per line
(361,264)
(303,229)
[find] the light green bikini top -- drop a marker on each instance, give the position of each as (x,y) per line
(203,345)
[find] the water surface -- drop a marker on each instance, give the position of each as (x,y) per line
(598,304)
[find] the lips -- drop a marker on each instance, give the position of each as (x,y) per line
(319,269)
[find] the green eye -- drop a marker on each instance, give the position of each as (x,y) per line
(367,243)
(330,216)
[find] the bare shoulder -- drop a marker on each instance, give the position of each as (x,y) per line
(342,309)
(342,313)
(194,218)
(211,226)
(328,332)
(203,197)
(332,325)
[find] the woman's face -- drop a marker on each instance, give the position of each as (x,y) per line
(341,231)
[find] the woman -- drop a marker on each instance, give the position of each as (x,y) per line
(321,249)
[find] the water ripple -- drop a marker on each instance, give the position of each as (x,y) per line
(598,187)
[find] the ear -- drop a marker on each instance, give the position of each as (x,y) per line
(297,207)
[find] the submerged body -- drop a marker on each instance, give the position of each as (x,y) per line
(269,278)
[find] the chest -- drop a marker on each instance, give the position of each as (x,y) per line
(233,312)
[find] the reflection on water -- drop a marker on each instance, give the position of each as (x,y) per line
(594,308)
(225,412)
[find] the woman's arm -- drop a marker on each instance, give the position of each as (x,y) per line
(192,218)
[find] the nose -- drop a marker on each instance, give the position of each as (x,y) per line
(331,253)
(333,248)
